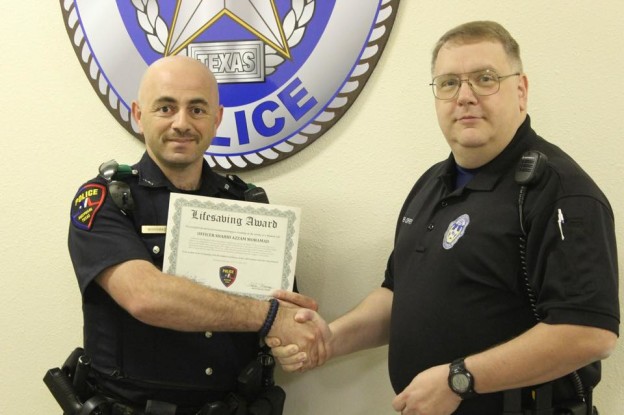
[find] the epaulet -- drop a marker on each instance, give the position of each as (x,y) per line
(237,182)
(111,170)
(115,175)
(234,185)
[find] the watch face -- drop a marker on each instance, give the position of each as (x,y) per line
(460,382)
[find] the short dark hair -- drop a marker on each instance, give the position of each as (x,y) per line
(478,31)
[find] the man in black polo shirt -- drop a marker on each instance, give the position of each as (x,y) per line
(157,340)
(483,294)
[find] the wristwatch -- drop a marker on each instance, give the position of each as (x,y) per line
(460,380)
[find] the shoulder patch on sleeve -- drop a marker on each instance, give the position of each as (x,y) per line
(87,202)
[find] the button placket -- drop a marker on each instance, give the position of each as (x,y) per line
(209,371)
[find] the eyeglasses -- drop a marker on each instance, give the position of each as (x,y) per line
(482,83)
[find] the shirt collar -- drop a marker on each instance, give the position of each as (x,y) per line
(490,174)
(150,175)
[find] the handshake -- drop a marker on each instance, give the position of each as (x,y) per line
(300,338)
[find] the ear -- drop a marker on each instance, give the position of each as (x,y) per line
(523,91)
(218,118)
(136,114)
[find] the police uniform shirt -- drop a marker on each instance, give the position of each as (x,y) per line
(134,360)
(455,269)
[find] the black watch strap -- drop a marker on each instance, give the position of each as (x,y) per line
(460,380)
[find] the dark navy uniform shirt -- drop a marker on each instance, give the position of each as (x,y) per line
(133,360)
(455,269)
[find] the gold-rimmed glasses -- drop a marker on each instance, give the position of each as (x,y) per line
(483,83)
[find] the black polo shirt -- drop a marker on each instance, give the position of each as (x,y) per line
(455,269)
(133,360)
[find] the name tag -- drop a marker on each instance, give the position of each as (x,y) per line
(153,229)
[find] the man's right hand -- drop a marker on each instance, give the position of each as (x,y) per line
(303,353)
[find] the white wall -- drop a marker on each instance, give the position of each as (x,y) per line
(350,183)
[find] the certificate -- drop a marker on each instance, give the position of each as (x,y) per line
(241,247)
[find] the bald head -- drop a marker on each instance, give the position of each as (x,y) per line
(178,113)
(182,70)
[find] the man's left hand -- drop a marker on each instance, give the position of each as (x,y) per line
(290,299)
(428,394)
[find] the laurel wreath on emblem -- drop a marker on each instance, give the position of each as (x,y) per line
(157,32)
(294,25)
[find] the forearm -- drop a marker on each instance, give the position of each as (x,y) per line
(178,303)
(543,353)
(364,327)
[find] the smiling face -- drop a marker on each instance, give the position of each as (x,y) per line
(478,128)
(178,113)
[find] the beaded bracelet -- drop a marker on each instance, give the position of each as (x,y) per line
(270,318)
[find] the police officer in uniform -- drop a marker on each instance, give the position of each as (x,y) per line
(157,339)
(502,278)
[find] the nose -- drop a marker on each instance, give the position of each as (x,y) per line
(180,122)
(466,94)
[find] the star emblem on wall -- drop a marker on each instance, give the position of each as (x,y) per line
(193,17)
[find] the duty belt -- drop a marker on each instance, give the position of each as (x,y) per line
(152,408)
(256,392)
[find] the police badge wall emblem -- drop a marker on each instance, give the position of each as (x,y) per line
(287,69)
